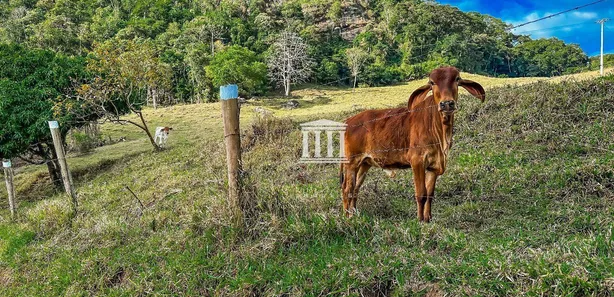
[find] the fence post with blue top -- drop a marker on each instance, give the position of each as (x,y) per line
(10,188)
(232,139)
(54,126)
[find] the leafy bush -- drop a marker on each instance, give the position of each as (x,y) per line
(327,71)
(547,57)
(266,128)
(239,65)
(379,74)
(412,72)
(82,142)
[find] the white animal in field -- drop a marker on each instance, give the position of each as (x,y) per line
(161,136)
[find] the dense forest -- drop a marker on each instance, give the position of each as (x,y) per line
(172,46)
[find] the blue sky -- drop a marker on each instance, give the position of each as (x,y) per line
(573,27)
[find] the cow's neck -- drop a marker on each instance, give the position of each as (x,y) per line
(447,124)
(439,129)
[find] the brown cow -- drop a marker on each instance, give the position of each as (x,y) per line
(418,136)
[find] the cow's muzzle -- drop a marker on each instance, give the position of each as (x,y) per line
(448,106)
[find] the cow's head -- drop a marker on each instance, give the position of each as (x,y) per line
(167,130)
(444,83)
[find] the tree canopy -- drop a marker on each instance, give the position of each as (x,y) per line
(402,39)
(238,65)
(35,87)
(32,83)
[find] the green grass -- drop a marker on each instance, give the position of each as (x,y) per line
(525,207)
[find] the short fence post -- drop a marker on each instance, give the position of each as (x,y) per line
(232,139)
(10,188)
(66,176)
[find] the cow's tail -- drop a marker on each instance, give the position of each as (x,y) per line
(341,175)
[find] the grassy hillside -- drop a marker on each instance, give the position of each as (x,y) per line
(524,208)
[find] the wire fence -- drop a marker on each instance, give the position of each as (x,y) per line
(392,113)
(389,115)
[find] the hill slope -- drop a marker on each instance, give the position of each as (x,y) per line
(525,207)
(401,39)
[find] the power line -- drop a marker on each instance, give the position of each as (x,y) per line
(558,13)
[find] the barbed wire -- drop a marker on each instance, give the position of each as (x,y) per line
(392,115)
(405,112)
(396,149)
(375,158)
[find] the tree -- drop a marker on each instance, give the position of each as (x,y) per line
(289,61)
(240,66)
(404,39)
(547,57)
(196,59)
(13,27)
(215,32)
(124,77)
(141,64)
(356,57)
(210,27)
(33,83)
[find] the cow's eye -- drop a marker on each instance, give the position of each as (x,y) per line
(458,78)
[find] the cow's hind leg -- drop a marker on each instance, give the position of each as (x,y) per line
(431,179)
(360,178)
(348,187)
(420,187)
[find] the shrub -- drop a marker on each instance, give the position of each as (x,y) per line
(239,65)
(82,143)
(379,74)
(266,129)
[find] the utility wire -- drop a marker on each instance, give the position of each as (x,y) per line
(558,13)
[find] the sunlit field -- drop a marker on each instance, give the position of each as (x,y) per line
(525,207)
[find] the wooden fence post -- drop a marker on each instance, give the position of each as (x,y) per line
(66,176)
(10,188)
(232,139)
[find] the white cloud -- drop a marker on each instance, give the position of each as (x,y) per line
(568,22)
(585,15)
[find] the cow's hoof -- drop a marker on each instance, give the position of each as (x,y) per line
(351,212)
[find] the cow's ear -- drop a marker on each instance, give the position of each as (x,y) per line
(170,128)
(474,88)
(418,94)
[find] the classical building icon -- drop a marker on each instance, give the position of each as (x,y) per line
(316,128)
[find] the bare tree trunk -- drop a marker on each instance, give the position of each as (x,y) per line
(53,174)
(355,81)
(289,80)
(212,45)
(144,127)
(147,96)
(154,98)
(53,167)
(287,85)
(91,129)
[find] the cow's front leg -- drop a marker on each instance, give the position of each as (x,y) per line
(348,188)
(431,179)
(420,187)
